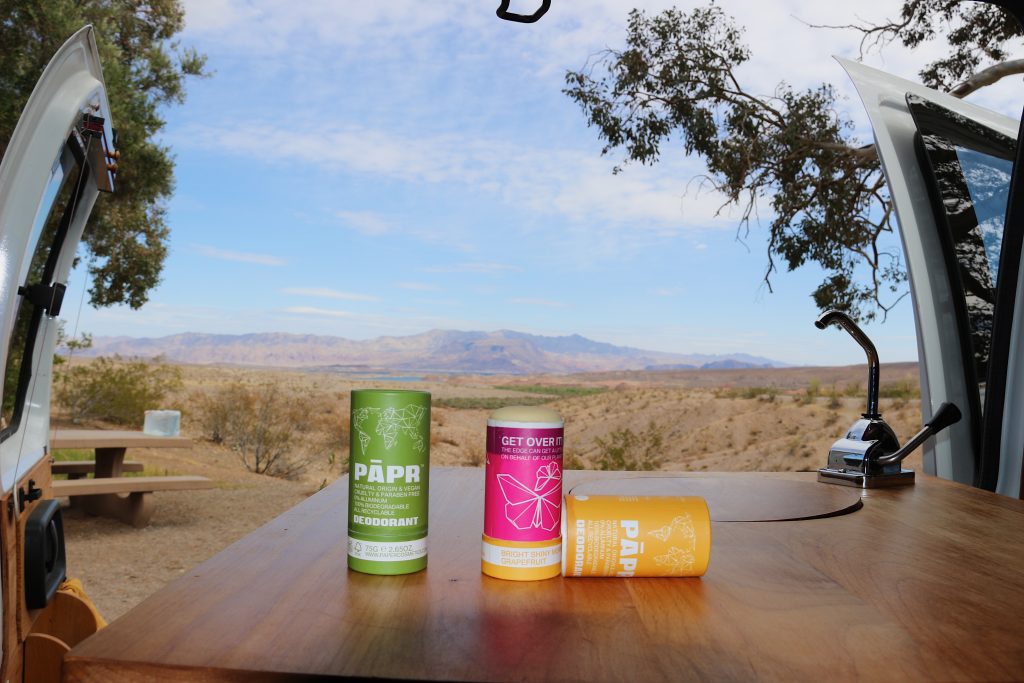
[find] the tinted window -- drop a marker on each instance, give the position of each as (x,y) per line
(970,167)
(988,183)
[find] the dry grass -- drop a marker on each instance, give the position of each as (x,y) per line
(763,419)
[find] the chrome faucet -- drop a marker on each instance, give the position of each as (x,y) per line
(846,322)
(869,456)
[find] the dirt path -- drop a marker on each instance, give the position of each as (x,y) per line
(121,565)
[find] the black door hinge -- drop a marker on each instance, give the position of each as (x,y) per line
(47,297)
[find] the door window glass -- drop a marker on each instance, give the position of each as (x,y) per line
(969,166)
(988,183)
(55,209)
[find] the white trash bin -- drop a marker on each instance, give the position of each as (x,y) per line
(162,422)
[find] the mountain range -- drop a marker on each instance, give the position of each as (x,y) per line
(444,351)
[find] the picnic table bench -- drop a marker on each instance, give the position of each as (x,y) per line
(77,469)
(108,494)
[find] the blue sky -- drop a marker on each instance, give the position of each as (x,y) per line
(368,169)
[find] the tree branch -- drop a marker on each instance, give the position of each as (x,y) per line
(872,36)
(865,153)
(987,77)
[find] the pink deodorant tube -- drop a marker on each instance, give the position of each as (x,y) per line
(523,494)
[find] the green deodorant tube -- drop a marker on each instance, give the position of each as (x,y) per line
(388,478)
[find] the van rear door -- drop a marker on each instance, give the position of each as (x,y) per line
(949,165)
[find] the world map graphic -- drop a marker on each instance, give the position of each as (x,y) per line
(392,424)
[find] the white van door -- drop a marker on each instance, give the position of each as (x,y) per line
(57,161)
(52,171)
(949,165)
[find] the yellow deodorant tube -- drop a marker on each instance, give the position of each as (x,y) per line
(635,536)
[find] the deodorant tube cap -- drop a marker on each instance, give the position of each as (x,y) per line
(525,414)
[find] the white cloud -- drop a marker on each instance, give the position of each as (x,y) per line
(416,32)
(328,293)
(566,182)
(214,15)
(413,44)
(318,312)
(239,256)
(570,31)
(272,26)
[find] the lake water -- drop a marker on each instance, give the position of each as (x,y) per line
(400,378)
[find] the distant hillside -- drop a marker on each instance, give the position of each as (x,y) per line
(737,361)
(503,351)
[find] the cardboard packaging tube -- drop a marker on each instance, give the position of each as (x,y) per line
(635,536)
(523,494)
(389,477)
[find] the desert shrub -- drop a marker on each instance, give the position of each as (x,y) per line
(767,394)
(763,393)
(274,431)
(571,461)
(215,410)
(554,390)
(904,389)
(115,389)
(626,450)
(328,434)
(833,398)
(489,402)
(812,393)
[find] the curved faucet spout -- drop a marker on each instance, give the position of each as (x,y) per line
(846,322)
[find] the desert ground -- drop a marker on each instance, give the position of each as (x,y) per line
(686,420)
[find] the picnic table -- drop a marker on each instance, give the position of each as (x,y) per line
(920,583)
(108,493)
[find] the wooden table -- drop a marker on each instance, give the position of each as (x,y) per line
(110,445)
(922,582)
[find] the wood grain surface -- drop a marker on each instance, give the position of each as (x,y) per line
(923,582)
(764,499)
(80,468)
(67,618)
(113,438)
(105,485)
(17,618)
(127,499)
(44,656)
